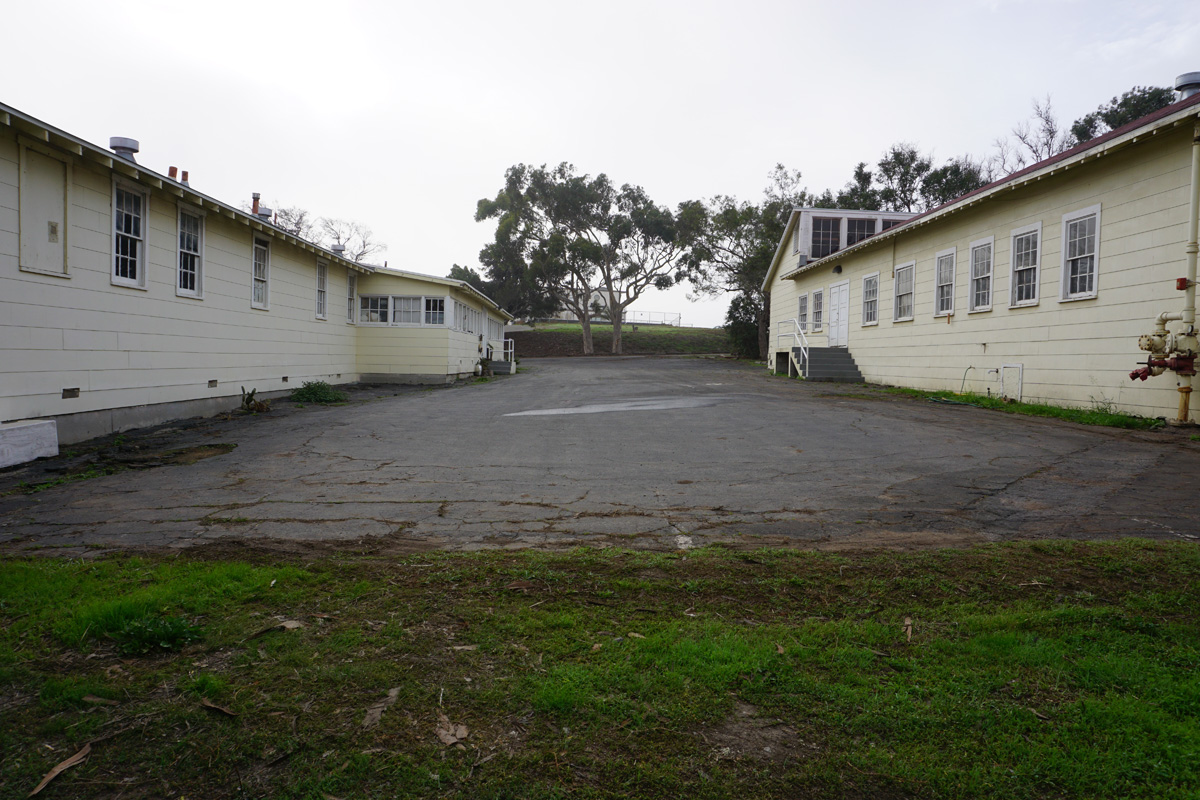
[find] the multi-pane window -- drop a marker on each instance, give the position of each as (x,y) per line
(467,319)
(859,229)
(904,293)
(944,284)
(262,272)
(129,237)
(818,309)
(1025,263)
(802,313)
(981,276)
(408,311)
(870,311)
(191,234)
(435,311)
(351,291)
(1079,255)
(373,309)
(495,329)
(826,237)
(322,287)
(891,223)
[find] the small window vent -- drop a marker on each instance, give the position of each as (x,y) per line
(285,377)
(70,393)
(212,384)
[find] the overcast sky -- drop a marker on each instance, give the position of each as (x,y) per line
(401,115)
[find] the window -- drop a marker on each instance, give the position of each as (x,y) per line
(407,311)
(891,223)
(262,273)
(818,309)
(435,311)
(802,313)
(1080,245)
(870,311)
(129,236)
(351,290)
(981,275)
(904,292)
(322,286)
(1026,260)
(191,255)
(467,319)
(495,329)
(859,229)
(826,237)
(373,310)
(944,284)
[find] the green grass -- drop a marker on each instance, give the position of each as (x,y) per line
(1103,414)
(1056,669)
(318,392)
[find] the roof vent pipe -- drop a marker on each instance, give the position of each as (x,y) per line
(123,147)
(173,173)
(340,249)
(264,213)
(184,179)
(1187,84)
(254,205)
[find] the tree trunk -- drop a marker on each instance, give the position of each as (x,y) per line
(585,322)
(616,315)
(764,328)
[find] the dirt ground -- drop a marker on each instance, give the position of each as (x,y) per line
(658,453)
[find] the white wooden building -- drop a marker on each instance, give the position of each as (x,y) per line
(128,298)
(1038,285)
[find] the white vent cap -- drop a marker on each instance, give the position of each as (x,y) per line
(123,147)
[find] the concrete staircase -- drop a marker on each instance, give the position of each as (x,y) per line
(832,364)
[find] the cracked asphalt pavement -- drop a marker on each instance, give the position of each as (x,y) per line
(641,452)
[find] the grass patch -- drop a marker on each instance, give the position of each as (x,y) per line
(1056,669)
(1103,414)
(318,392)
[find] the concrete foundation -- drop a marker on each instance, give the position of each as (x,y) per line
(26,440)
(90,424)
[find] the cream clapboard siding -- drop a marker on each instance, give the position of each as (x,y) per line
(1074,353)
(412,352)
(127,347)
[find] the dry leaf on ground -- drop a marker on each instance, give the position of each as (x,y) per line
(450,733)
(908,625)
(636,636)
(596,646)
(63,766)
(375,712)
(286,625)
(213,706)
(521,585)
(99,701)
(465,647)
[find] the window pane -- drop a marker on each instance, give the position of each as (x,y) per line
(826,237)
(859,229)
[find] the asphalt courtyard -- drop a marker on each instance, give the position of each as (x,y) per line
(641,452)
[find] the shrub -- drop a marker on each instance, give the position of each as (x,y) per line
(141,636)
(318,392)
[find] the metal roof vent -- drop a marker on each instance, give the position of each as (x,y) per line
(123,147)
(1187,84)
(264,213)
(340,249)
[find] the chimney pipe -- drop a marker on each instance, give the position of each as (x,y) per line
(1187,84)
(254,206)
(185,179)
(123,147)
(173,173)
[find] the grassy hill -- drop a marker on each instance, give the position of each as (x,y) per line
(566,339)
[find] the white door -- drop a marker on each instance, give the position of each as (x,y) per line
(839,314)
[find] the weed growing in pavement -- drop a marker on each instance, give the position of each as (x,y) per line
(318,392)
(1098,413)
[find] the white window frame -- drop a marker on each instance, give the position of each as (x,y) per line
(387,309)
(912,292)
(838,242)
(990,243)
(427,312)
(421,301)
(198,213)
(817,315)
(1065,295)
(351,297)
(846,227)
(865,322)
(141,263)
(265,280)
(1012,265)
(802,311)
(952,254)
(322,298)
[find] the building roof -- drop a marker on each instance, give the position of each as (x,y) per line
(40,131)
(1165,118)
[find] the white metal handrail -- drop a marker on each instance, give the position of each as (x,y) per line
(797,335)
(510,350)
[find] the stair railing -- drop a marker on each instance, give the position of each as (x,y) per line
(510,350)
(798,340)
